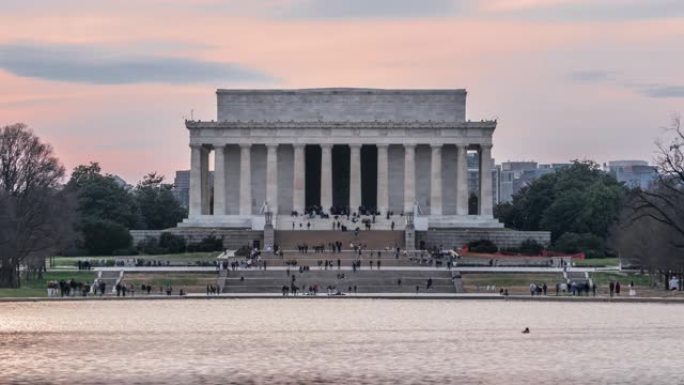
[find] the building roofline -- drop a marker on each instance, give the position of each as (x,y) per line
(374,124)
(342,90)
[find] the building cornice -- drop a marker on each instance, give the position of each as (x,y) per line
(345,91)
(195,124)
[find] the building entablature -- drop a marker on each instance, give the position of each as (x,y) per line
(386,132)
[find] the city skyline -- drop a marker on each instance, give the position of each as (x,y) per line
(112,83)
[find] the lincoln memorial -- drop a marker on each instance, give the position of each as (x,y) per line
(398,154)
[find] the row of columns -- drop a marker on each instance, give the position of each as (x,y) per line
(199,192)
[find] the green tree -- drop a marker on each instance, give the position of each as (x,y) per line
(106,210)
(579,199)
(592,245)
(159,208)
(101,197)
(105,237)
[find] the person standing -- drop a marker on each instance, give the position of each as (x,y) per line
(611,288)
(617,288)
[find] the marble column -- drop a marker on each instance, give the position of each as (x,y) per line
(245,179)
(206,193)
(462,180)
(485,200)
(272,177)
(195,204)
(326,177)
(409,178)
(436,180)
(383,180)
(219,180)
(354,177)
(299,184)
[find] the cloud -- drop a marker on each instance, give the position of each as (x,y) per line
(95,65)
(592,10)
(663,91)
(651,90)
(353,9)
(591,76)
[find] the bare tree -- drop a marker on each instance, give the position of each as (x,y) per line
(35,215)
(651,227)
(665,202)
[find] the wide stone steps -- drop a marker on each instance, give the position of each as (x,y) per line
(380,239)
(260,281)
(286,223)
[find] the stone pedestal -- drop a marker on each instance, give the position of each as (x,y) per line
(269,231)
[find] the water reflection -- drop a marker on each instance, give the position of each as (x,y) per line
(336,342)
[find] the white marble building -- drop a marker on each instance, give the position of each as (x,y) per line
(287,150)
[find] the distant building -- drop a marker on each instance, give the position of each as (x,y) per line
(633,173)
(514,176)
(510,178)
(181,186)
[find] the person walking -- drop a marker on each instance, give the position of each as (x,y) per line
(611,287)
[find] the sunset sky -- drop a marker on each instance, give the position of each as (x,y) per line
(112,81)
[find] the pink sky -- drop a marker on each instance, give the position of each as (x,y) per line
(112,81)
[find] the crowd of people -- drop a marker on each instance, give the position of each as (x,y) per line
(70,288)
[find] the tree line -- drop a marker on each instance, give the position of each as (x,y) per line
(588,210)
(91,213)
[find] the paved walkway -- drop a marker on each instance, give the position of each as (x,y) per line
(420,296)
(204,269)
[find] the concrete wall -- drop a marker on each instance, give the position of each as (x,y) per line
(341,104)
(395,156)
(232,239)
(501,237)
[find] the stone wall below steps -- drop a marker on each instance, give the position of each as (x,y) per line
(503,238)
(232,239)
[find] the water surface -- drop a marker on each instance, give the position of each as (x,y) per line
(300,341)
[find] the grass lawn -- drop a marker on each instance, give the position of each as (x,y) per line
(38,287)
(516,283)
(190,282)
(596,262)
(603,279)
(188,257)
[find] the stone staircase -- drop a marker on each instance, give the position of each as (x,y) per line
(366,281)
(378,240)
(285,222)
(346,258)
(579,278)
(110,278)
